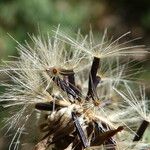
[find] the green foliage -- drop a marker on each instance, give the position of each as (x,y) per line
(19,17)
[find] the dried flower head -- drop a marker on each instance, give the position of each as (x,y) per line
(76,89)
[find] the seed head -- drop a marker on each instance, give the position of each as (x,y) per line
(77,93)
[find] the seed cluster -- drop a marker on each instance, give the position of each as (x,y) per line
(71,124)
(82,93)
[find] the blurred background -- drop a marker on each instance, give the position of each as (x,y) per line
(19,17)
